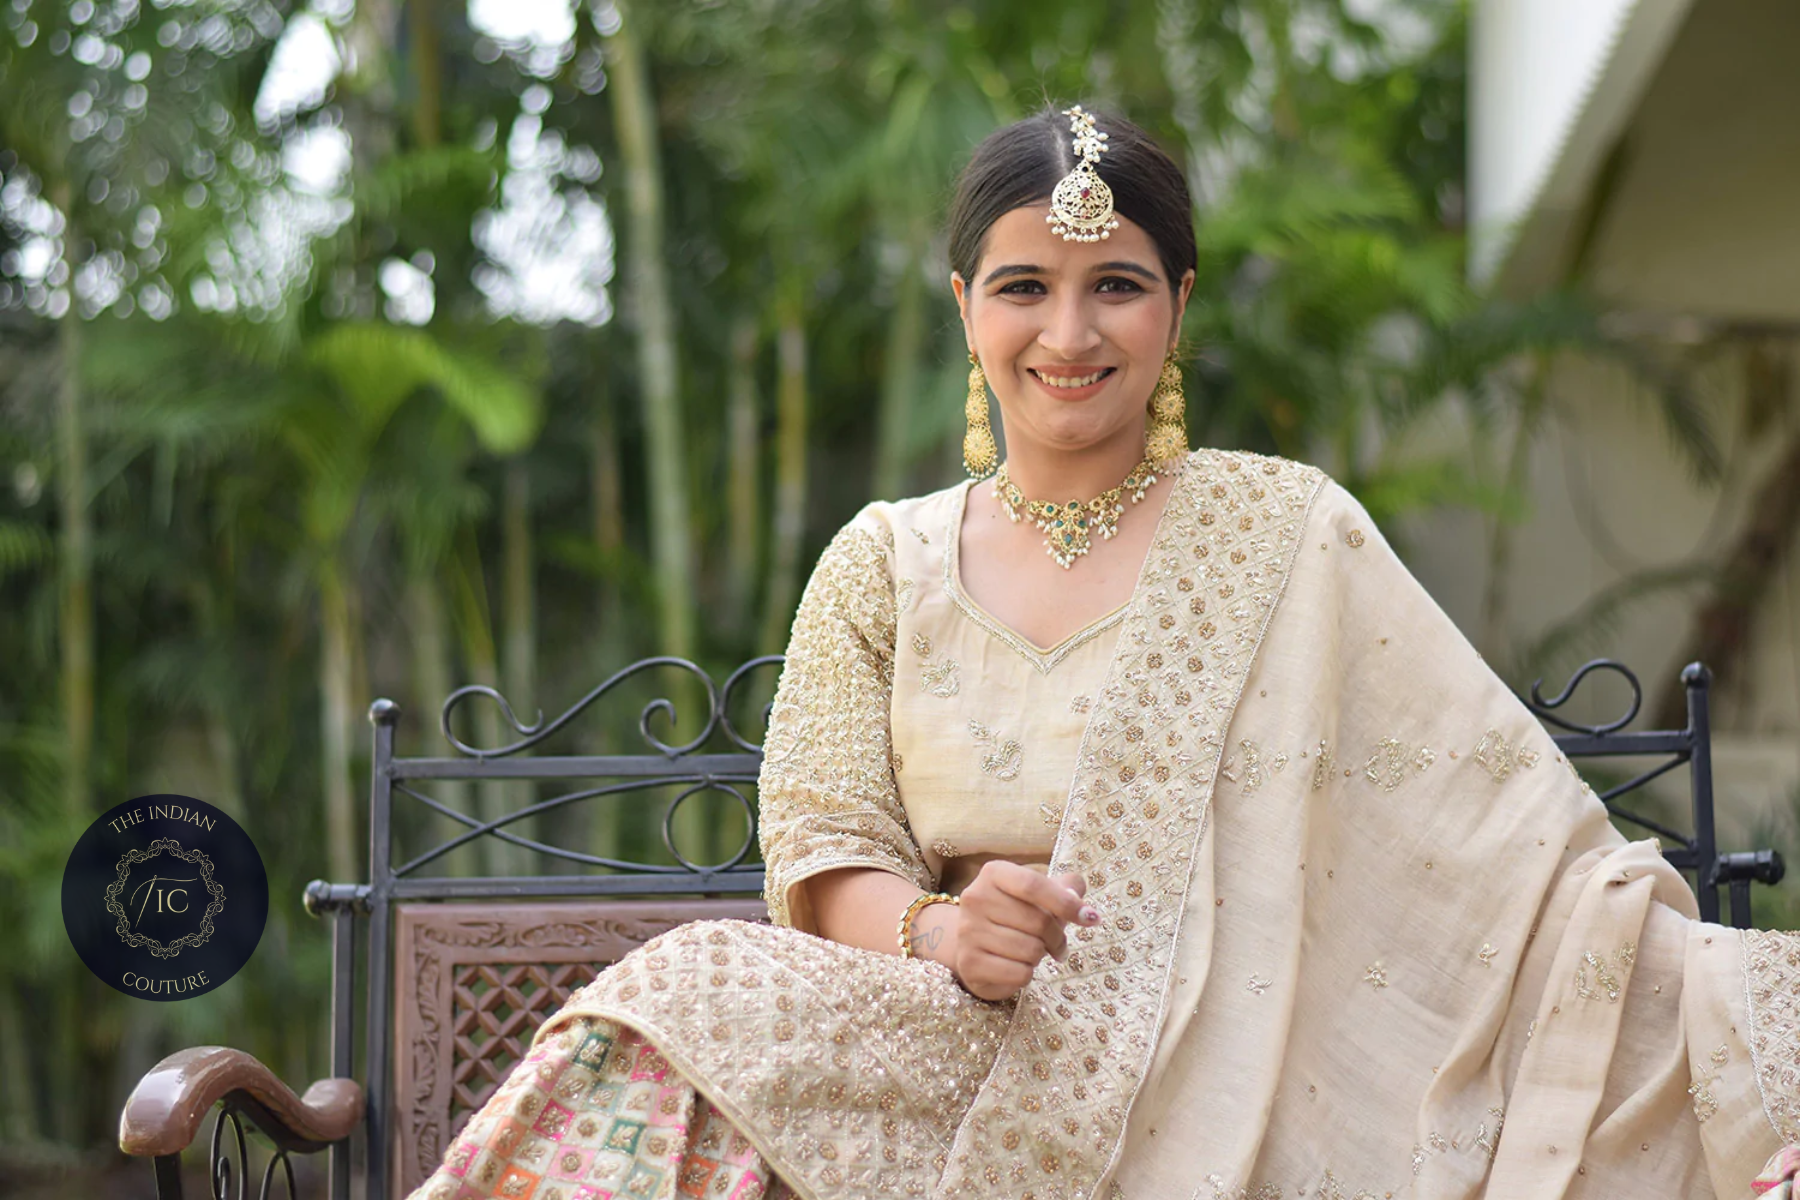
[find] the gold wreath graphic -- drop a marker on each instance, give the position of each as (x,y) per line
(196,938)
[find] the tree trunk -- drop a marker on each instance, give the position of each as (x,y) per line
(900,378)
(519,612)
(1752,561)
(19,1113)
(223,743)
(335,707)
(432,682)
(497,857)
(671,550)
(743,518)
(75,599)
(427,72)
(790,478)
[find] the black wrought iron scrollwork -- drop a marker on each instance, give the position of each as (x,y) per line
(710,785)
(1542,707)
(219,1161)
(530,735)
(479,828)
(730,688)
(219,1166)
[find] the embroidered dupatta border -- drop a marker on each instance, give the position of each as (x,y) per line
(1772,999)
(1049,1122)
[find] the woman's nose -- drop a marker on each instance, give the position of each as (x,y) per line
(1069,330)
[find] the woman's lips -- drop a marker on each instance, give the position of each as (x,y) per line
(1072,385)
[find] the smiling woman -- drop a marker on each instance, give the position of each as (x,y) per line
(1038,829)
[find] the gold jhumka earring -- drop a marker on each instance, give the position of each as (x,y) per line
(980,455)
(1167,439)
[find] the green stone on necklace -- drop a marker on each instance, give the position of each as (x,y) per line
(1076,521)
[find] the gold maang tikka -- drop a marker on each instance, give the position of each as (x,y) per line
(1081,207)
(1069,528)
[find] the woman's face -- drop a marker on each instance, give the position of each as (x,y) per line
(1071,335)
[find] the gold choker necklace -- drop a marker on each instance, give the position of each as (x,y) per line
(1069,528)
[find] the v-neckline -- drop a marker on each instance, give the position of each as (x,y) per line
(1043,658)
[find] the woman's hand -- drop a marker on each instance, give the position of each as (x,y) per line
(1010,918)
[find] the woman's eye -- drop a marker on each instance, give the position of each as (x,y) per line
(1023,287)
(1119,285)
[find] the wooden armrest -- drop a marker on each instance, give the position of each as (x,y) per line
(167,1106)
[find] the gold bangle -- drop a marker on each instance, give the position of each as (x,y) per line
(913,910)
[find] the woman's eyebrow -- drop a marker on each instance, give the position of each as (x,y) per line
(1130,268)
(1012,269)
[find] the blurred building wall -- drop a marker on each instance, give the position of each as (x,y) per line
(1651,153)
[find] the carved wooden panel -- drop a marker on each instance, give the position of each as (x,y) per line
(472,983)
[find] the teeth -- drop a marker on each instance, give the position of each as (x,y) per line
(1071,381)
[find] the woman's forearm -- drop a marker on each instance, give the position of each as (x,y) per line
(862,907)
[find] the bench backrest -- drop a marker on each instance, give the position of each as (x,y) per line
(461,971)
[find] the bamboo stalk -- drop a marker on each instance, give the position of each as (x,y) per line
(790,477)
(900,377)
(671,550)
(75,602)
(743,517)
(335,706)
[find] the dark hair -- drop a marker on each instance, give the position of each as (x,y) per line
(1021,164)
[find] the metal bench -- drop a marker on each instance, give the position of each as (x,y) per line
(459,972)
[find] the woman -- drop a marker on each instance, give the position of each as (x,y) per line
(1200,856)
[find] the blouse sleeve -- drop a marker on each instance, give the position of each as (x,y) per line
(827,794)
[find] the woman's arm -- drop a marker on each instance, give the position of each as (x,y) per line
(1009,919)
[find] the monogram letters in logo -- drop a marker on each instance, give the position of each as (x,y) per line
(156,897)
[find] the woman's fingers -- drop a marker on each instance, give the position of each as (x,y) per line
(1055,897)
(1003,942)
(1012,916)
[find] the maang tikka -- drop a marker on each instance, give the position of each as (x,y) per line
(980,455)
(1081,207)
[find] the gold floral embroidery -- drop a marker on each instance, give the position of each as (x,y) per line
(1321,766)
(1721,1055)
(922,645)
(920,534)
(1354,539)
(899,762)
(1376,976)
(903,595)
(1486,954)
(1604,980)
(1258,984)
(1387,767)
(942,679)
(1050,816)
(1706,1105)
(944,849)
(1772,994)
(1080,704)
(1005,756)
(1489,1142)
(1253,770)
(1497,756)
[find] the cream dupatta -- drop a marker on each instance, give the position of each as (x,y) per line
(1359,918)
